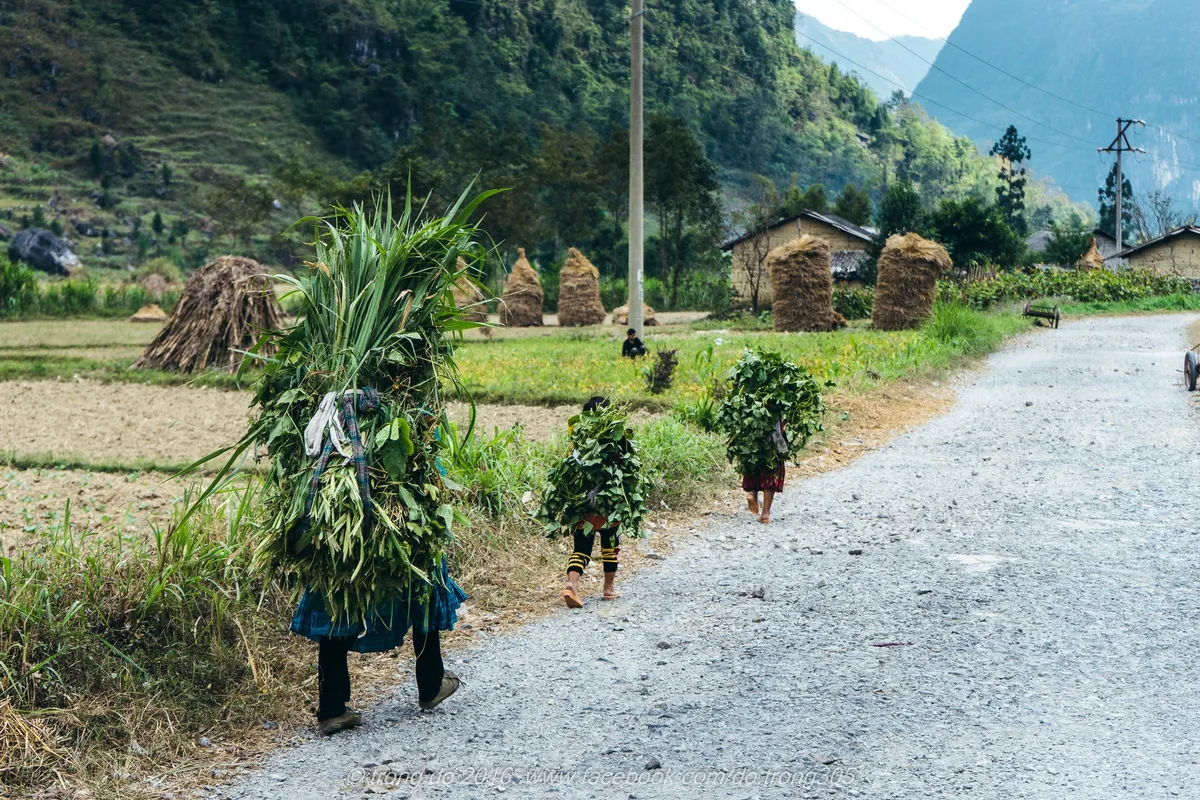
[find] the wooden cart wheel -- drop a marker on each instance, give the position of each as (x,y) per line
(1191,370)
(1057,317)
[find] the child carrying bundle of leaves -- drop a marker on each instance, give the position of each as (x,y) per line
(354,506)
(769,413)
(598,487)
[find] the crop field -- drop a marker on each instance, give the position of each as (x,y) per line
(88,488)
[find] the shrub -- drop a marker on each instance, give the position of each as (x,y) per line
(161,266)
(661,374)
(964,329)
(854,302)
(1090,286)
(18,288)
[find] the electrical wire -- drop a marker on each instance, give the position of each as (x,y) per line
(1021,80)
(954,78)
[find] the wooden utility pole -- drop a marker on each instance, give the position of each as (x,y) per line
(637,227)
(1121,145)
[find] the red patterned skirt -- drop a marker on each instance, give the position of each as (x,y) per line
(764,482)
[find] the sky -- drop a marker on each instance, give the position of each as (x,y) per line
(928,18)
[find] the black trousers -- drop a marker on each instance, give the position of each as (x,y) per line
(610,550)
(333,674)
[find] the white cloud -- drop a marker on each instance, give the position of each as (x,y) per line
(911,17)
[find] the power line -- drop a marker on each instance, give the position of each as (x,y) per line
(1019,79)
(932,101)
(958,80)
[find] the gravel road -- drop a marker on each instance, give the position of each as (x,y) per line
(997,605)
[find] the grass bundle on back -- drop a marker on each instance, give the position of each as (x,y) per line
(766,390)
(602,477)
(354,505)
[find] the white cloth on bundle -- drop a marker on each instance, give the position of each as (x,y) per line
(328,417)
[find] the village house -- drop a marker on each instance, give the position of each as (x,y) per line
(1176,253)
(848,242)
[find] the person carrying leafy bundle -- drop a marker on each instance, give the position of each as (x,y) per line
(598,487)
(354,507)
(771,409)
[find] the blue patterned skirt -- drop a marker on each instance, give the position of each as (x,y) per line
(388,622)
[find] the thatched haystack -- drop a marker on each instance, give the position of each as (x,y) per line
(224,308)
(150,313)
(469,299)
(521,303)
(579,292)
(801,285)
(909,268)
(620,315)
(1092,259)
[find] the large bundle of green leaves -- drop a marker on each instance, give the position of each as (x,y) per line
(766,389)
(376,311)
(601,481)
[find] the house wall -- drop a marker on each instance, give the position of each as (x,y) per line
(1178,256)
(744,254)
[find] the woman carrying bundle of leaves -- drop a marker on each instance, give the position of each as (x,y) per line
(355,509)
(598,487)
(771,410)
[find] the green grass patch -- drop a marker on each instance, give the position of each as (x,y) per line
(564,370)
(1147,305)
(15,365)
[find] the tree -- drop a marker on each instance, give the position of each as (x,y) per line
(1108,207)
(1066,245)
(157,224)
(854,204)
(755,220)
(900,212)
(681,188)
(238,208)
(1157,216)
(1010,193)
(566,184)
(811,199)
(976,233)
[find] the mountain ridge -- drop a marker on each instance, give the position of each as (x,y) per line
(900,68)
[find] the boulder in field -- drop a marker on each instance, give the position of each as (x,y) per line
(42,250)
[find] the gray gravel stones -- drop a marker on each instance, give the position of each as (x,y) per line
(1020,624)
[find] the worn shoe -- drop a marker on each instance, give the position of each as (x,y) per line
(345,722)
(450,684)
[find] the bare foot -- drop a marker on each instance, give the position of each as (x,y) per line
(571,598)
(752,503)
(765,519)
(610,594)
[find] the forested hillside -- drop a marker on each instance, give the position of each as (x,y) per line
(205,112)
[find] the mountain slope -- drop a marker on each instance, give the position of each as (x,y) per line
(898,66)
(313,100)
(1131,58)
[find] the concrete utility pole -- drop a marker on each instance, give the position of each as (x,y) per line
(1121,145)
(637,228)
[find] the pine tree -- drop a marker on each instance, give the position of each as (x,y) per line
(1010,194)
(1107,198)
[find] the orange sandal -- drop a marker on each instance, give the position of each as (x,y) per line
(571,599)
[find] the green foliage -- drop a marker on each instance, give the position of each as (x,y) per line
(901,211)
(1107,202)
(660,375)
(681,192)
(854,303)
(854,204)
(239,208)
(1010,192)
(1085,286)
(975,233)
(161,266)
(493,473)
(702,412)
(811,199)
(1066,246)
(18,288)
(378,309)
(600,483)
(964,329)
(770,410)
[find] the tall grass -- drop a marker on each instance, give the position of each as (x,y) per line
(965,330)
(108,641)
